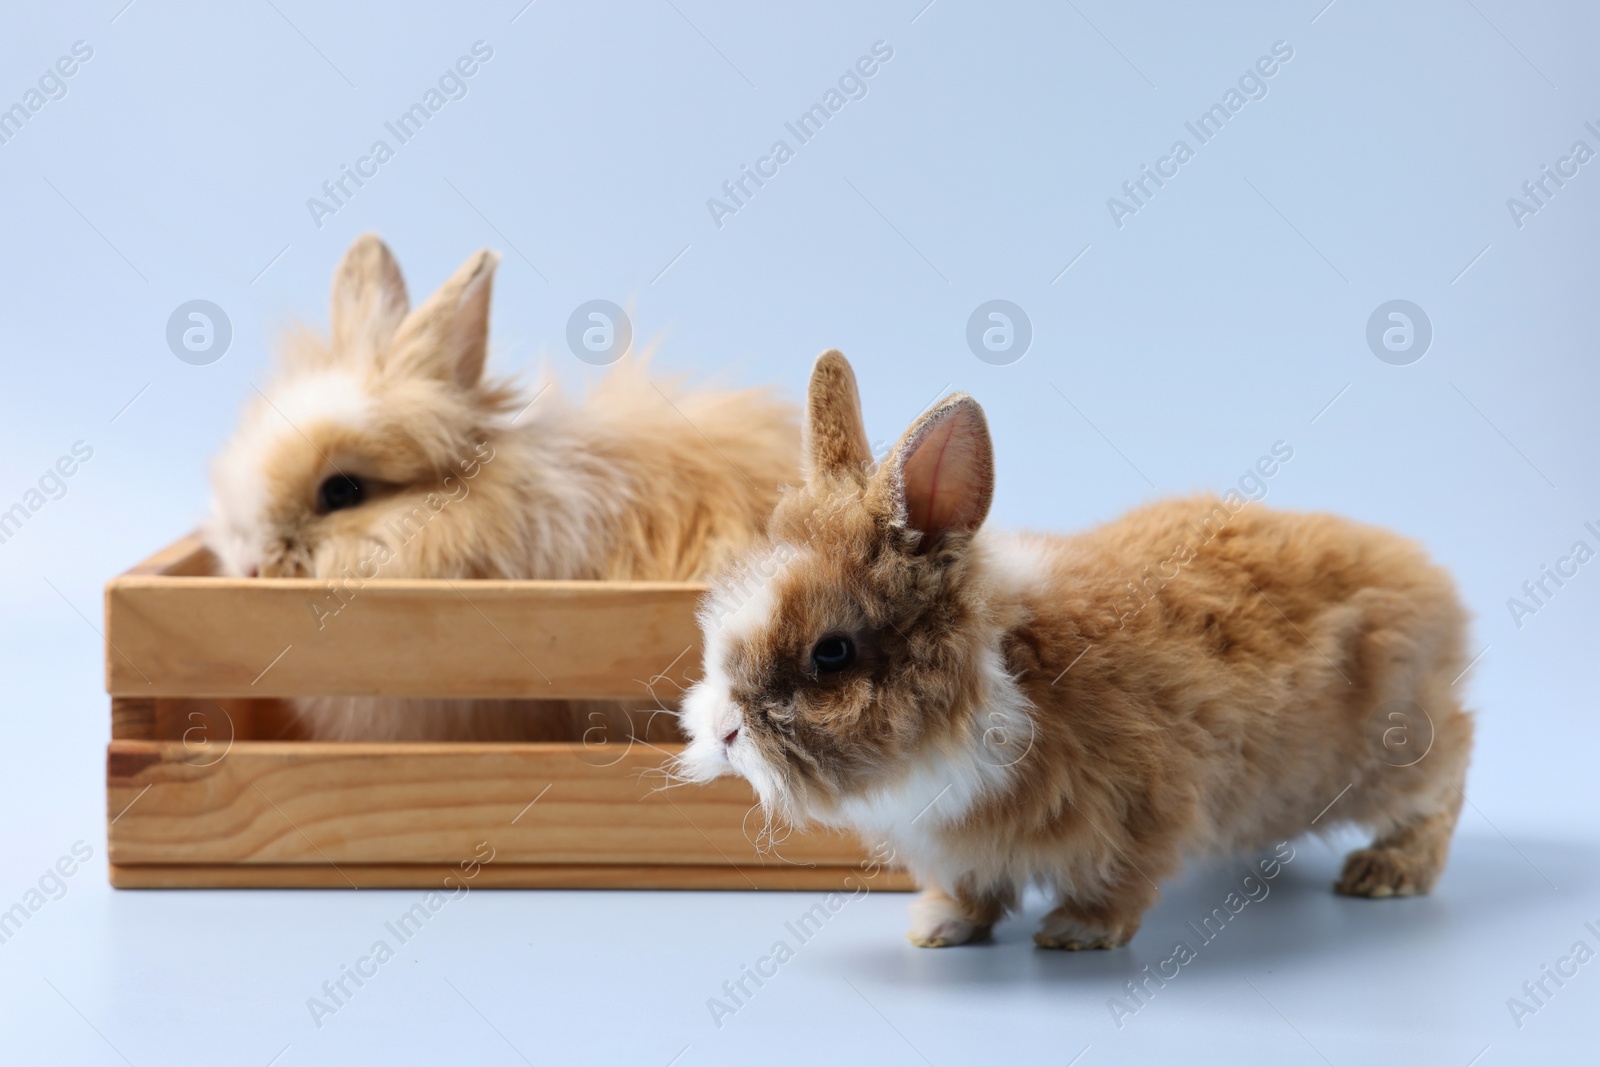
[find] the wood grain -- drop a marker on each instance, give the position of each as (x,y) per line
(133,718)
(499,875)
(244,637)
(322,803)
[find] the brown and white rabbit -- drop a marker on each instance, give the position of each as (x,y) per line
(1082,712)
(385,442)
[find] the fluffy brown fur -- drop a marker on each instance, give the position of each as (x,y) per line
(1084,712)
(471,478)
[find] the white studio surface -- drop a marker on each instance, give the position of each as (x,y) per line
(1174,334)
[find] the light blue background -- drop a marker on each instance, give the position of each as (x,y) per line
(1221,318)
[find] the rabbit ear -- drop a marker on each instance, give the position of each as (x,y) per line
(835,436)
(369,299)
(940,477)
(448,336)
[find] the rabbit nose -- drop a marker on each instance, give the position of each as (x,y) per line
(253,572)
(731,736)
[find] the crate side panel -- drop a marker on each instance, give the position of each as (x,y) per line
(332,804)
(498,875)
(222,637)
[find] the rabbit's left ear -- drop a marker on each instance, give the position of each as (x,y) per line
(447,338)
(835,435)
(369,300)
(940,477)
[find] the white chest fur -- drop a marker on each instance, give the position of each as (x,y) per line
(912,811)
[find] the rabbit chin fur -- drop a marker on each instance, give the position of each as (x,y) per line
(1083,713)
(472,478)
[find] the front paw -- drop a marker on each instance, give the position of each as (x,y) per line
(938,922)
(1063,931)
(950,932)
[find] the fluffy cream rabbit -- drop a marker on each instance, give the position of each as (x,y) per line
(1082,712)
(334,464)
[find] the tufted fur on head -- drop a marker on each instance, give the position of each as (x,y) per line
(462,476)
(992,708)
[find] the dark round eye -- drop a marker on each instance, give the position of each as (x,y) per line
(833,654)
(340,491)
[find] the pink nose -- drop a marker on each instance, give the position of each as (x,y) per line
(729,737)
(254,572)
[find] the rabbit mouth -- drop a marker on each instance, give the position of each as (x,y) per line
(286,560)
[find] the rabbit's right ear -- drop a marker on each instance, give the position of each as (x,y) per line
(835,434)
(369,299)
(940,477)
(447,338)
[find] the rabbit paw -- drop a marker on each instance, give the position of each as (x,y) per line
(1066,931)
(938,922)
(1380,872)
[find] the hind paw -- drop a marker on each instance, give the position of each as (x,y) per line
(1070,932)
(1383,872)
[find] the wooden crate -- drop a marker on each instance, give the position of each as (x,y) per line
(201,791)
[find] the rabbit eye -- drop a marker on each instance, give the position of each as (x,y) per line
(833,654)
(340,491)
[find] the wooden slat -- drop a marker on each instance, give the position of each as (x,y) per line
(239,637)
(133,718)
(499,875)
(321,803)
